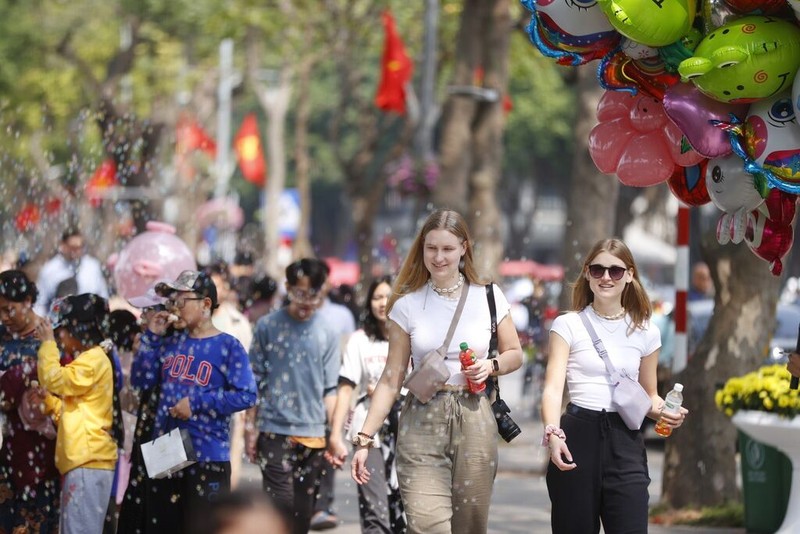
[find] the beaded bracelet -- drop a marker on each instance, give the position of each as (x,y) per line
(550,430)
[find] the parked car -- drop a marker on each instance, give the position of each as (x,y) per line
(783,341)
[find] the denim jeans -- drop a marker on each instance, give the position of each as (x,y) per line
(447,462)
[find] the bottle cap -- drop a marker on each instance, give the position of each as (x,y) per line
(678,387)
(463,345)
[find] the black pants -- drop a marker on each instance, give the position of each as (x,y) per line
(610,481)
(325,499)
(172,500)
(291,476)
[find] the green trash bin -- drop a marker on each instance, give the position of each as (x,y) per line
(766,481)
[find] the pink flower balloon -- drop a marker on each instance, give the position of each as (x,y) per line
(635,140)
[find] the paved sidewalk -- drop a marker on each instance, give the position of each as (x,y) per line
(520,504)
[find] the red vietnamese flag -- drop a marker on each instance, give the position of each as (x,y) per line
(396,70)
(104,176)
(189,136)
(247,145)
(28,217)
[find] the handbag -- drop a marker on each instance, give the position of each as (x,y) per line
(629,397)
(432,373)
(168,453)
(506,426)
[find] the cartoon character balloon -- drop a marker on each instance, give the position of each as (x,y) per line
(153,255)
(573,32)
(619,72)
(795,5)
(688,184)
(736,193)
(772,137)
(630,140)
(761,7)
(653,23)
(796,94)
(745,60)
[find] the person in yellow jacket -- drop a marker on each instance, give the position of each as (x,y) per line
(83,399)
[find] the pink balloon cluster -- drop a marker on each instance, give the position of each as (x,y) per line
(635,140)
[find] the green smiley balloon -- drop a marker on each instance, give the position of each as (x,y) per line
(650,22)
(745,60)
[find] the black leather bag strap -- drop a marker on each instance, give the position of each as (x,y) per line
(493,384)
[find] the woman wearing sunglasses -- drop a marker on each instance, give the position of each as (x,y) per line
(598,466)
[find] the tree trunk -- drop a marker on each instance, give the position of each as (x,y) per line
(472,130)
(699,461)
(592,195)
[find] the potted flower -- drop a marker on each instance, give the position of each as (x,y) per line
(764,409)
(763,390)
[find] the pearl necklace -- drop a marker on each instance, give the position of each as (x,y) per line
(619,315)
(444,291)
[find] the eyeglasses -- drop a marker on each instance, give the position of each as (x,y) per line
(615,271)
(308,297)
(180,302)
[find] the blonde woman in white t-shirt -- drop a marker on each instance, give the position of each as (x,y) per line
(364,357)
(598,466)
(447,447)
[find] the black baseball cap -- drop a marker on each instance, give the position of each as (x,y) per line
(193,281)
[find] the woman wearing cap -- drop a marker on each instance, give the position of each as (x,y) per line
(83,398)
(204,376)
(29,480)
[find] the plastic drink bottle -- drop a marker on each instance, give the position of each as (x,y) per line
(672,404)
(468,357)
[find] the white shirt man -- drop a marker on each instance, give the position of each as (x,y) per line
(71,262)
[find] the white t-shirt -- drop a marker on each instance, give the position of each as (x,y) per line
(89,277)
(425,316)
(588,382)
(363,361)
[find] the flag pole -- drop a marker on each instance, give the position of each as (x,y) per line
(680,356)
(224,91)
(429,112)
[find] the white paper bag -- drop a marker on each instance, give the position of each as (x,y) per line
(168,453)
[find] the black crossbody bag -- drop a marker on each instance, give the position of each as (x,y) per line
(506,426)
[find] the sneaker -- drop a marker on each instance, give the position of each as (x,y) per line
(323,520)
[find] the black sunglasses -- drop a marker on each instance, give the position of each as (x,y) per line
(615,271)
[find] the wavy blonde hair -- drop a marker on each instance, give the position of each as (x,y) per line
(413,273)
(634,297)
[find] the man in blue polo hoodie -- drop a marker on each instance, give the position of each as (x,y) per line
(204,377)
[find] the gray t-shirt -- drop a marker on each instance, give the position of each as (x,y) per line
(296,364)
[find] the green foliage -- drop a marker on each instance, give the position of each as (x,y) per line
(540,125)
(48,104)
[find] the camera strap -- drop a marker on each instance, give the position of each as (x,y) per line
(493,384)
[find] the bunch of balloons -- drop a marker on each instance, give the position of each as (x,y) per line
(702,96)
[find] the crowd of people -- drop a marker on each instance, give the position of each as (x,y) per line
(218,367)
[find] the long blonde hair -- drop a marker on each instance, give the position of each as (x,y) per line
(634,297)
(413,273)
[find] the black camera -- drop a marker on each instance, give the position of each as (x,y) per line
(506,426)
